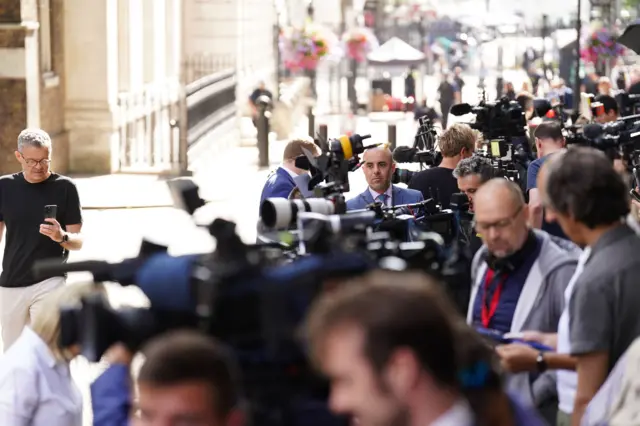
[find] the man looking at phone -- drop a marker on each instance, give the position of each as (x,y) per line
(41,212)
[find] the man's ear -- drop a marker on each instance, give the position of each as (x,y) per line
(17,154)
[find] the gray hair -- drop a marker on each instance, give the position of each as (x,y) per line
(33,137)
(474,166)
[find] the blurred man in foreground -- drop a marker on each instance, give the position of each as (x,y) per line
(186,379)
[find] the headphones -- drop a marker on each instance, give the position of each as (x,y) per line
(501,265)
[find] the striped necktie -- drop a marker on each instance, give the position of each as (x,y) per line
(382,198)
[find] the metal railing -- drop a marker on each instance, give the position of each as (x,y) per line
(199,66)
(148,132)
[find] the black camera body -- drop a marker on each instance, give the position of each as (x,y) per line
(501,120)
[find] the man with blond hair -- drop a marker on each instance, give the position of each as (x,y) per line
(286,177)
(456,143)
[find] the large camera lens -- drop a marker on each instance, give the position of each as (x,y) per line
(280,213)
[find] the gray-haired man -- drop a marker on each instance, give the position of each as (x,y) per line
(31,237)
(471,173)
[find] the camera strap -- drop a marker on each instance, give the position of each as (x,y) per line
(488,310)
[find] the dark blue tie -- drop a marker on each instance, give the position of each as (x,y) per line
(382,198)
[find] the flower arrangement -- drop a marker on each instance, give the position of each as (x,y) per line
(601,44)
(359,42)
(302,49)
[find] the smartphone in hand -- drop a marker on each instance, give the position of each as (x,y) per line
(50,211)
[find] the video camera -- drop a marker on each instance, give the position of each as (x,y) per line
(628,103)
(501,120)
(422,152)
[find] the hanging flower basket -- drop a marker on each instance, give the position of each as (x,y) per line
(601,46)
(302,49)
(359,43)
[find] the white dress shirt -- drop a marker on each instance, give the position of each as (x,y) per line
(35,388)
(292,174)
(567,381)
(388,192)
(458,415)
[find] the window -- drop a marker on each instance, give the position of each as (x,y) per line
(46,63)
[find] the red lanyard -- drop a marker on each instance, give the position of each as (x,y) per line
(488,312)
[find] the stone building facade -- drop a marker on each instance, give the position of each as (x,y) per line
(107,80)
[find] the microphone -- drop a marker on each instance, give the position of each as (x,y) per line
(164,279)
(592,131)
(404,154)
(461,109)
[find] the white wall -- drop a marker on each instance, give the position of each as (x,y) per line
(327,13)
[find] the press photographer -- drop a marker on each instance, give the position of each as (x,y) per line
(549,140)
(456,143)
(283,180)
(471,173)
(378,168)
(609,111)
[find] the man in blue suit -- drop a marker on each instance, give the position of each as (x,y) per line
(283,180)
(378,169)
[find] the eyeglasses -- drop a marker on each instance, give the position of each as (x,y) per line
(501,224)
(32,163)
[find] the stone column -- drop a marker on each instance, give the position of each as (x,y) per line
(124,50)
(19,77)
(136,45)
(91,64)
(148,43)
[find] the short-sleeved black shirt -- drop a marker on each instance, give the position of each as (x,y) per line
(437,183)
(22,210)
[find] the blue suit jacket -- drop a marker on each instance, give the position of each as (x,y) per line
(399,197)
(111,397)
(279,185)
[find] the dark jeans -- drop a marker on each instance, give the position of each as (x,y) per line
(445,114)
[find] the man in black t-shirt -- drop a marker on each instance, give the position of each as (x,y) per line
(31,237)
(456,143)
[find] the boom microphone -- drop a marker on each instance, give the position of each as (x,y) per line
(404,154)
(592,131)
(461,109)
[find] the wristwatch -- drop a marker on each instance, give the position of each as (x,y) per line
(65,238)
(541,363)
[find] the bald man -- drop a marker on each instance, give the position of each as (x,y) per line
(518,279)
(378,169)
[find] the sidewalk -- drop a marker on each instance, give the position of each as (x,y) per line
(220,175)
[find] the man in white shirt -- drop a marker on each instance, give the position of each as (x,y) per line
(378,169)
(389,344)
